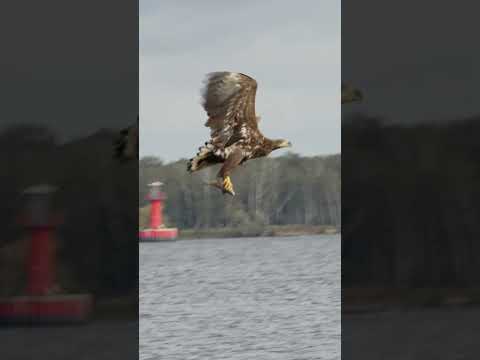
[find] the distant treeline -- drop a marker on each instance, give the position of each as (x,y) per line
(411,203)
(289,189)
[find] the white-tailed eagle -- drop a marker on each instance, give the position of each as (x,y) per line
(229,100)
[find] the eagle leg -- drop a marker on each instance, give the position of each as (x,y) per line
(233,160)
(225,186)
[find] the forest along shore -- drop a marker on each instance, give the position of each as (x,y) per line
(272,230)
(282,190)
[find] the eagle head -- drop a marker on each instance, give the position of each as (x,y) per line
(281,143)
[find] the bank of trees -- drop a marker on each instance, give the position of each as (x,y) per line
(289,189)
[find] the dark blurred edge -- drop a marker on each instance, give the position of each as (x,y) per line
(69,85)
(410,175)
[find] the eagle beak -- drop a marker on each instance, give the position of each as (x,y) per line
(282,144)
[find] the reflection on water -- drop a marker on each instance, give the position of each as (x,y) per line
(261,298)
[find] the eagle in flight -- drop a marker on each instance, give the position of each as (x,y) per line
(350,94)
(126,146)
(229,101)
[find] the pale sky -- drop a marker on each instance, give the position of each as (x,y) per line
(292,49)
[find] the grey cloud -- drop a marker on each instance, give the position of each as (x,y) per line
(292,49)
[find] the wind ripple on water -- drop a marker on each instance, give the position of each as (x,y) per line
(261,298)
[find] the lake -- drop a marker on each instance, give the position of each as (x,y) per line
(249,298)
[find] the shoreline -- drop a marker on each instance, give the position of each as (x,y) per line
(267,231)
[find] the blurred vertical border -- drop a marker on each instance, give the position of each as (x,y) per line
(69,218)
(410,171)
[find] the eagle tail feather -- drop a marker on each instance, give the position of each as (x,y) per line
(200,161)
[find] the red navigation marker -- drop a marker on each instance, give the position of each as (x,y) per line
(43,302)
(157,230)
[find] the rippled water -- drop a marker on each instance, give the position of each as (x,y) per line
(261,298)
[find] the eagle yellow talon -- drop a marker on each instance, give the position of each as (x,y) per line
(227,185)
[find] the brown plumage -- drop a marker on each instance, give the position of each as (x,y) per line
(126,146)
(229,100)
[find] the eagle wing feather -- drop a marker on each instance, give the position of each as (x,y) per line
(229,100)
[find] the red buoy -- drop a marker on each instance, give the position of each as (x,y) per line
(157,230)
(40,265)
(42,301)
(156,198)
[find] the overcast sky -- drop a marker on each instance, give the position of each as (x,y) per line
(414,63)
(292,49)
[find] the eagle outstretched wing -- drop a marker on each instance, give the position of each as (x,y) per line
(229,100)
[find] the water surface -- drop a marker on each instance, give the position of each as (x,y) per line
(259,298)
